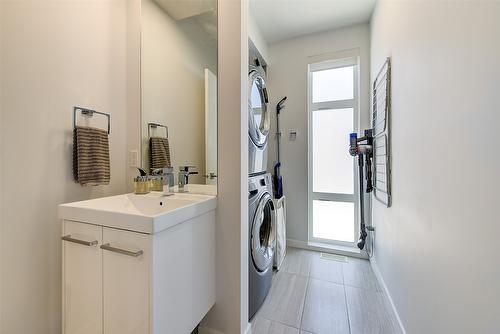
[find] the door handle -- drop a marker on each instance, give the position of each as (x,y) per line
(110,248)
(78,241)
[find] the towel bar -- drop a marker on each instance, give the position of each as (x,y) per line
(90,113)
(156,125)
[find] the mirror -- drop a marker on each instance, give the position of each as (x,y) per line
(179,88)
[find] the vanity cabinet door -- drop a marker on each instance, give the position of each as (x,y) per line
(82,278)
(126,282)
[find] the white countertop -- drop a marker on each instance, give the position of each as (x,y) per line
(150,213)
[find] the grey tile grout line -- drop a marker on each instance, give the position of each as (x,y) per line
(362,288)
(345,298)
(309,278)
(367,290)
(305,298)
(257,315)
(347,309)
(277,321)
(307,292)
(343,278)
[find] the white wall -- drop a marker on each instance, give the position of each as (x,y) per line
(2,159)
(133,87)
(54,59)
(255,34)
(230,313)
(287,76)
(436,246)
(173,58)
(54,55)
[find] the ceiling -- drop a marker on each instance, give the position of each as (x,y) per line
(200,16)
(181,9)
(282,19)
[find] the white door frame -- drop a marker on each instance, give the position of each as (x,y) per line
(354,103)
(210,126)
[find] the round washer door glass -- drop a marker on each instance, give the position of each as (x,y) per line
(263,233)
(258,116)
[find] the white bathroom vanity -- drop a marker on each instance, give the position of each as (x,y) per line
(141,264)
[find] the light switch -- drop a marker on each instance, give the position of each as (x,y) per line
(293,135)
(133,158)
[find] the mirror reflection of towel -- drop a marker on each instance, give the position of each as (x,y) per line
(91,165)
(159,151)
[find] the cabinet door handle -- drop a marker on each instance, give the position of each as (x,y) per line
(110,248)
(78,241)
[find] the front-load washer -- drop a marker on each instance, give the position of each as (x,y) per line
(259,119)
(262,225)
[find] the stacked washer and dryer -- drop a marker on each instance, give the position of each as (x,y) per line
(261,210)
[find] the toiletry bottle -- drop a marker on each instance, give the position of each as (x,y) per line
(142,183)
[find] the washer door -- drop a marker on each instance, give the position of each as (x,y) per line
(263,233)
(259,120)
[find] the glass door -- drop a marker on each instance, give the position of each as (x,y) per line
(333,114)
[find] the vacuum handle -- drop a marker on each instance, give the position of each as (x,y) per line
(280,106)
(353,144)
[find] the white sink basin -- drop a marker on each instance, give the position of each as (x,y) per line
(148,213)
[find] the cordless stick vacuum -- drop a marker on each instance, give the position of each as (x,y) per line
(277,179)
(363,148)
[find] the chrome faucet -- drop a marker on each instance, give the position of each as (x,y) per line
(167,175)
(184,173)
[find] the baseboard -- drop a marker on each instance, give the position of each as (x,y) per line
(249,329)
(333,249)
(296,243)
(381,281)
(205,330)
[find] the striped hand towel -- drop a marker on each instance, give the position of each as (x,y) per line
(91,165)
(159,151)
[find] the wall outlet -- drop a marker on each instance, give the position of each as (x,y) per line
(133,158)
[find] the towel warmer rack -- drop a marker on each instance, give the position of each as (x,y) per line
(156,125)
(90,113)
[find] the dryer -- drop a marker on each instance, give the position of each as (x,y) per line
(262,236)
(259,119)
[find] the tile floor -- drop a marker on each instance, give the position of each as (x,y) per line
(312,295)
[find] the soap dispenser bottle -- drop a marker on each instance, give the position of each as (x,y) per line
(142,182)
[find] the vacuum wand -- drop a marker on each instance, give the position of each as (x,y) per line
(363,148)
(277,179)
(280,106)
(362,231)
